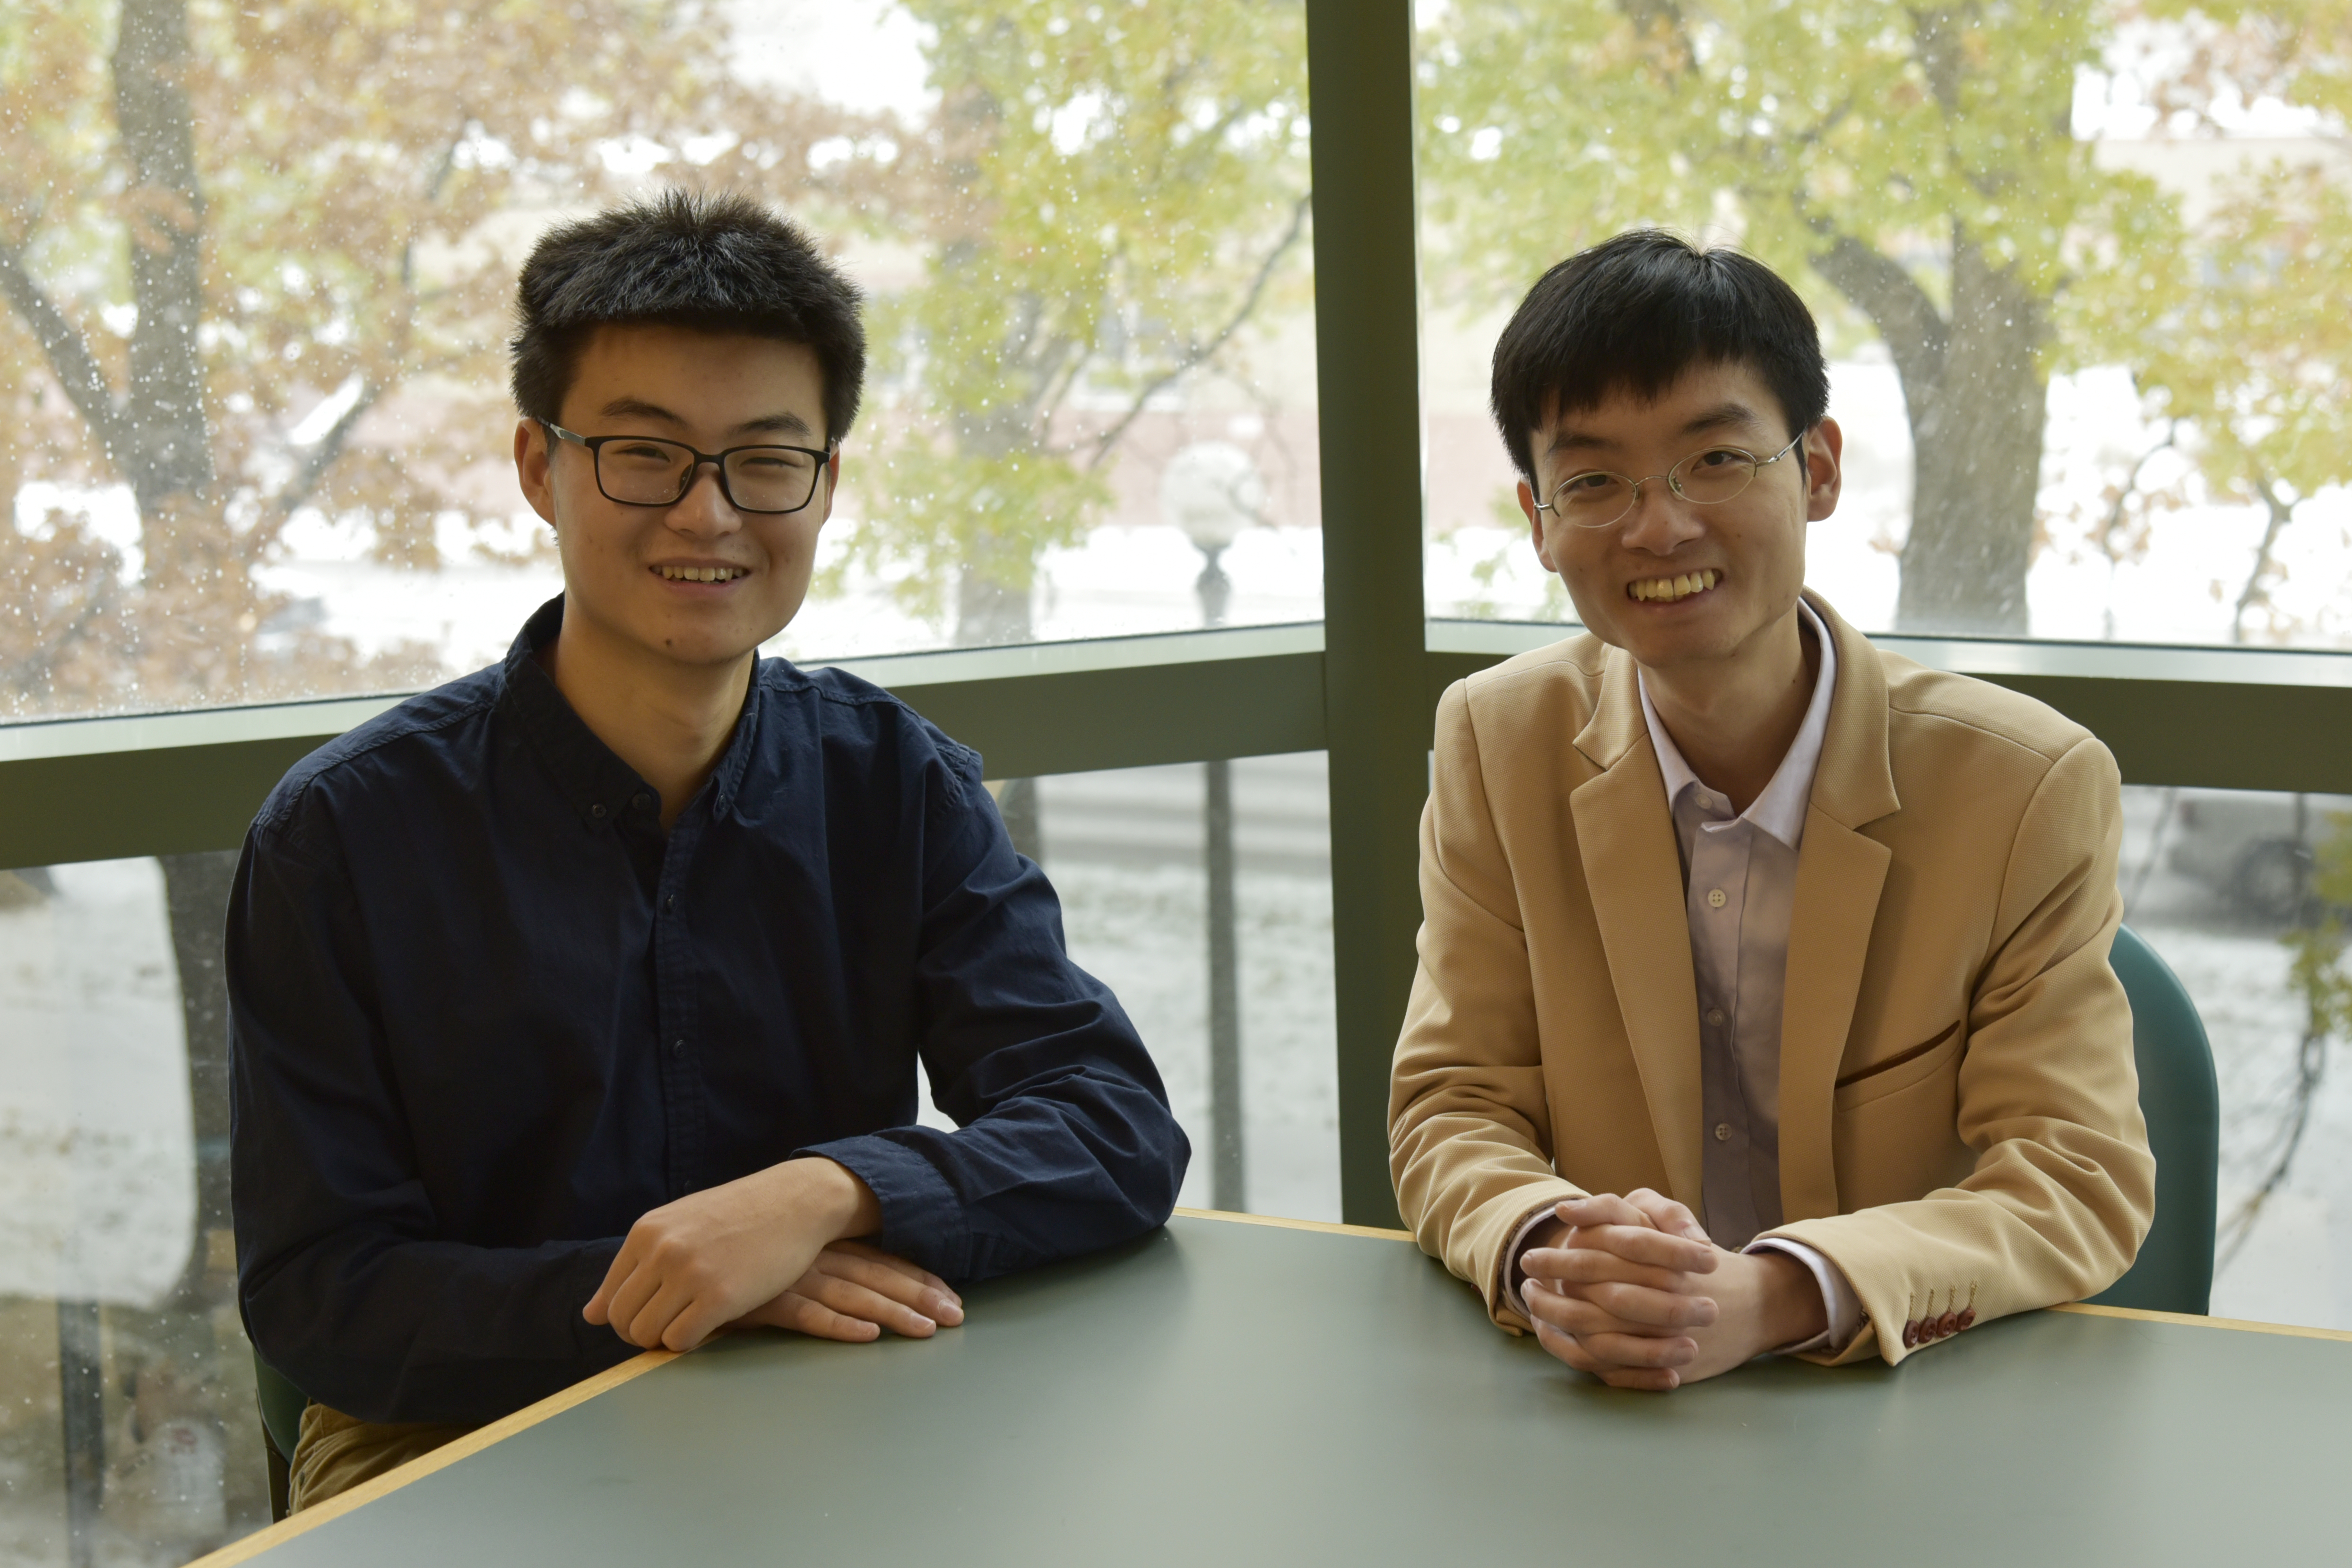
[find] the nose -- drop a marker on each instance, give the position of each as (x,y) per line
(704,511)
(1661,521)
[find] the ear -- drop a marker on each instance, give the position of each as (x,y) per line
(1535,526)
(832,485)
(1825,452)
(534,459)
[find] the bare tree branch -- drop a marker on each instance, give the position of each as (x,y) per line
(323,453)
(2281,512)
(1199,353)
(1915,330)
(67,350)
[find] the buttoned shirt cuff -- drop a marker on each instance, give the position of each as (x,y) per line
(922,1218)
(1842,1308)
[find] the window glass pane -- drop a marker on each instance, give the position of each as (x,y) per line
(120,1339)
(2080,274)
(257,441)
(2246,896)
(1129,852)
(114,1240)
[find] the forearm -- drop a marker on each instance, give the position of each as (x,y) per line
(391,1331)
(1073,1166)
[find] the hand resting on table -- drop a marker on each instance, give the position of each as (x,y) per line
(770,1250)
(1631,1289)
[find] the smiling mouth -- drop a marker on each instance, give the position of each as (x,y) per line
(1666,589)
(702,573)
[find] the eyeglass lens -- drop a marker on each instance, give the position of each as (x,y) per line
(1596,499)
(648,472)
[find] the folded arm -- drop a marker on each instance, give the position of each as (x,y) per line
(1064,1142)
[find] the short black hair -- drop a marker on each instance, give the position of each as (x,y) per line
(718,263)
(1634,312)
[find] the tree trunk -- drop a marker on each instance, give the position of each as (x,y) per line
(169,448)
(1976,436)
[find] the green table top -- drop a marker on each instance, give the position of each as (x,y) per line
(1222,1393)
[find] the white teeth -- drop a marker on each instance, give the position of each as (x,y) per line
(702,573)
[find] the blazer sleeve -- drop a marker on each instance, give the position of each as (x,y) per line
(2063,1185)
(1469,1126)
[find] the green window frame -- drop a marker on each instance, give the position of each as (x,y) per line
(1361,685)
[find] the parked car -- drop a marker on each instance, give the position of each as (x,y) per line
(2253,849)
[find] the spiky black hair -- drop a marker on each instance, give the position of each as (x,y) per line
(1631,314)
(720,263)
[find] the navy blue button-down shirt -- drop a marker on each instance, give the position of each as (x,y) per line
(485,1014)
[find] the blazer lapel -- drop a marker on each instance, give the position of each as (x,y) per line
(1840,874)
(1632,872)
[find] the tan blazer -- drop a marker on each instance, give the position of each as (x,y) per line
(1959,1115)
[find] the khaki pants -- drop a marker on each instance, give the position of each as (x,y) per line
(336,1452)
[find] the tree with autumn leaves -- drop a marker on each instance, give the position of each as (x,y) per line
(1916,170)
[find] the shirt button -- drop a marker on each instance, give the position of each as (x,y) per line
(670,902)
(641,800)
(1715,898)
(677,1048)
(1723,1132)
(597,811)
(1714,1016)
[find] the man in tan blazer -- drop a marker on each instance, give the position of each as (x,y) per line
(1764,1000)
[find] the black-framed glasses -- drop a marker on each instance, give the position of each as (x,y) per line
(645,470)
(1598,499)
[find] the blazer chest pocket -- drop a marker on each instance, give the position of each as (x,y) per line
(1928,1059)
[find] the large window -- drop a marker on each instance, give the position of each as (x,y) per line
(257,433)
(2080,269)
(2082,272)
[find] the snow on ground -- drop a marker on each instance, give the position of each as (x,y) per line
(97,1155)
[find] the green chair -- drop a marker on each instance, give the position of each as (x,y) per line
(2182,1102)
(281,1423)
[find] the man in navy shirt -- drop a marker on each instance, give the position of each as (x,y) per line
(577,1004)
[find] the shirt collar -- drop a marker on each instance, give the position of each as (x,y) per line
(599,785)
(1780,809)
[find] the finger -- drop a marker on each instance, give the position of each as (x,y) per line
(1651,1309)
(875,1253)
(1592,1266)
(1665,1213)
(650,1321)
(803,1316)
(1601,1208)
(1636,1245)
(852,1299)
(631,1298)
(897,1279)
(599,1308)
(1586,1311)
(1647,1245)
(1573,1351)
(899,1266)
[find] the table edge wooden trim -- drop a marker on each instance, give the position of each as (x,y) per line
(424,1465)
(2242,1325)
(1326,1227)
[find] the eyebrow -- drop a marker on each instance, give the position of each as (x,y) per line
(785,423)
(1727,413)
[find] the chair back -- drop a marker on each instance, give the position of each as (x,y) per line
(282,1407)
(2182,1103)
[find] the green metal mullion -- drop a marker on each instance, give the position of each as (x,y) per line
(1368,373)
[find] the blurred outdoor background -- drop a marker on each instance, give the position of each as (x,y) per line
(2083,269)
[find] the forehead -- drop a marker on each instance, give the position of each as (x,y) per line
(703,376)
(1709,402)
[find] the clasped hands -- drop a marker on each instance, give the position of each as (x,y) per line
(767,1251)
(1630,1291)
